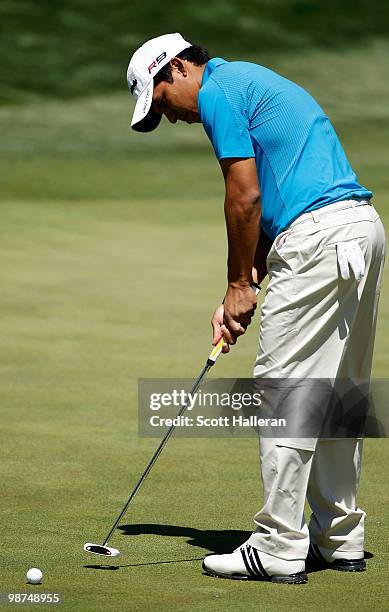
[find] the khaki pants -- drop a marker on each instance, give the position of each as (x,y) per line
(317,325)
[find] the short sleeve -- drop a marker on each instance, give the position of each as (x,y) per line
(227,132)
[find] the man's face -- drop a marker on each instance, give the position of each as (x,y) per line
(178,100)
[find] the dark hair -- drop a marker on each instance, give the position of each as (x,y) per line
(195,54)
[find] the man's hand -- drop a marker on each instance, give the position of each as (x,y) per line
(240,303)
(232,318)
(217,323)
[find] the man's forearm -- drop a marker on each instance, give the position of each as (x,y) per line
(242,221)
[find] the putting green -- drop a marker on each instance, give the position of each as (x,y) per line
(112,258)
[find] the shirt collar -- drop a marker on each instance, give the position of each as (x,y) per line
(210,67)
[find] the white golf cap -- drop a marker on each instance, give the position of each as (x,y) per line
(144,65)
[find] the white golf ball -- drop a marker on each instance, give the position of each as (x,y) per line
(34,575)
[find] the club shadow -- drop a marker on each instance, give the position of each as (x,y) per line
(102,567)
(215,541)
(116,567)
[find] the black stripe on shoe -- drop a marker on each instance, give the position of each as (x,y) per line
(253,558)
(251,571)
(261,568)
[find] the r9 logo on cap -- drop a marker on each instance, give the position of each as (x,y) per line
(157,61)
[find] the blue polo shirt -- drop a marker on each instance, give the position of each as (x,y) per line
(250,111)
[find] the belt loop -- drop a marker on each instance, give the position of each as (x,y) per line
(315,215)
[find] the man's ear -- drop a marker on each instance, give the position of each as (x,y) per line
(178,65)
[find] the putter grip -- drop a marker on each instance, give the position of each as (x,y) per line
(219,346)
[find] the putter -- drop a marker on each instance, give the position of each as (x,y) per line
(108,551)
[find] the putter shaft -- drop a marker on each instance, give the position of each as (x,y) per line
(209,363)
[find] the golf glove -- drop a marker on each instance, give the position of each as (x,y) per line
(350,256)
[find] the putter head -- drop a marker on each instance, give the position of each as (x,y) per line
(99,549)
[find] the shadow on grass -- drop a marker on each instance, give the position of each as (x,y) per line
(116,567)
(215,541)
(222,541)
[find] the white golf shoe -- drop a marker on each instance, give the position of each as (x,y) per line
(248,563)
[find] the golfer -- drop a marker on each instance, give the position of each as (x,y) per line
(296,212)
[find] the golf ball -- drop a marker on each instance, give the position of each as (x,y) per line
(34,575)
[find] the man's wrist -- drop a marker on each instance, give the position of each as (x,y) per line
(240,284)
(254,286)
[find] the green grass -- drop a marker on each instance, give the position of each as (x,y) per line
(112,253)
(83,150)
(88,309)
(91,301)
(71,47)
